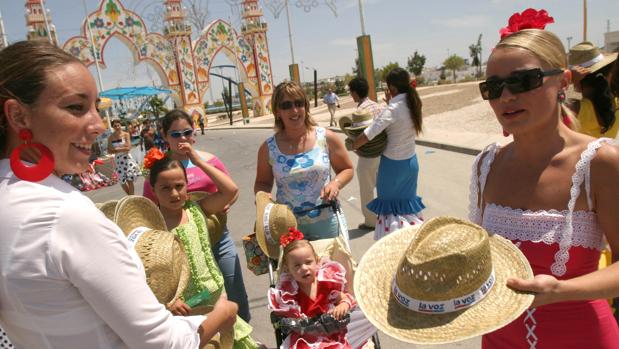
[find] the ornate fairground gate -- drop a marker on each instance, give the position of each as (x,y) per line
(182,64)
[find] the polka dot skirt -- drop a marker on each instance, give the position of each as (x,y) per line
(386,224)
(126,168)
(5,343)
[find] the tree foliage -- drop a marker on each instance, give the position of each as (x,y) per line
(157,106)
(454,63)
(197,14)
(382,72)
(415,63)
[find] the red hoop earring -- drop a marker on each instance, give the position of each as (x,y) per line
(505,133)
(36,172)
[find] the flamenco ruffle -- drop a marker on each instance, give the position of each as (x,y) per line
(396,207)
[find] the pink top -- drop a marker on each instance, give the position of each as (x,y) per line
(565,244)
(197,180)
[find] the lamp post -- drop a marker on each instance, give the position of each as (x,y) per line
(315,85)
(569,40)
(293,67)
(366,60)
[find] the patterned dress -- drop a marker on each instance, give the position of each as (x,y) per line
(299,179)
(287,300)
(565,244)
(205,274)
(126,168)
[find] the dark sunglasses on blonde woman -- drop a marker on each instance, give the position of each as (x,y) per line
(178,134)
(517,82)
(287,105)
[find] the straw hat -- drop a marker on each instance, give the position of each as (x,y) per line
(137,211)
(272,221)
(353,127)
(450,272)
(108,208)
(361,118)
(587,55)
(215,223)
(162,254)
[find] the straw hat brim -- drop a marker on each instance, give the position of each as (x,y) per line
(137,211)
(108,208)
(501,305)
(262,200)
(608,59)
(345,123)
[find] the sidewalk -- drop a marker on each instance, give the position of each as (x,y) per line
(465,130)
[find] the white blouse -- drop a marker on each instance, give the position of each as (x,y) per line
(68,278)
(401,134)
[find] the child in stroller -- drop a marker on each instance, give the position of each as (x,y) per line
(311,297)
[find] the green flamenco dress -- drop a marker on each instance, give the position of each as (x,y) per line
(206,278)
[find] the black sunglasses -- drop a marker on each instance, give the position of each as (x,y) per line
(287,105)
(178,134)
(516,82)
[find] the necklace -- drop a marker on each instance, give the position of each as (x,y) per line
(295,145)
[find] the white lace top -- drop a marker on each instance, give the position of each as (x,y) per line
(567,228)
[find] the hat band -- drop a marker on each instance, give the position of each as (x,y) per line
(361,123)
(135,234)
(590,62)
(265,223)
(441,307)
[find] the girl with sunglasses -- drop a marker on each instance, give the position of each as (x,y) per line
(547,192)
(178,132)
(299,158)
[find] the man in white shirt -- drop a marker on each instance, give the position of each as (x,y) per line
(332,101)
(367,168)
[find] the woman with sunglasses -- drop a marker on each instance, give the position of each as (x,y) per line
(119,144)
(397,204)
(299,158)
(548,192)
(69,276)
(178,132)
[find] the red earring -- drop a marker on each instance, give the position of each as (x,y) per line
(37,172)
(505,133)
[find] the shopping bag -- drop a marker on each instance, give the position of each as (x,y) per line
(257,261)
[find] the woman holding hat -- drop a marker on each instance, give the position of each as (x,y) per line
(397,204)
(599,107)
(69,278)
(178,132)
(548,192)
(299,158)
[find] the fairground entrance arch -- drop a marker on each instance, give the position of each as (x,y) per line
(183,65)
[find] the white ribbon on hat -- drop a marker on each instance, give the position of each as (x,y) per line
(590,62)
(442,307)
(265,223)
(135,234)
(362,123)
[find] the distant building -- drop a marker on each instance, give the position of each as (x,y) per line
(611,41)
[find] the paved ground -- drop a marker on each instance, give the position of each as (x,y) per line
(455,119)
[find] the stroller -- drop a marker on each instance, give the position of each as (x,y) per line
(360,332)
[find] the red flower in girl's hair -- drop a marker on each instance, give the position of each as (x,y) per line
(292,235)
(528,19)
(153,155)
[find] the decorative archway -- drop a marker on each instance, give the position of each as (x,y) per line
(181,64)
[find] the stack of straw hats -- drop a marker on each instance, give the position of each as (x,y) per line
(441,283)
(162,254)
(272,221)
(354,126)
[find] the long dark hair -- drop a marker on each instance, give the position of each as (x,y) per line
(614,80)
(23,74)
(400,80)
(596,88)
(164,164)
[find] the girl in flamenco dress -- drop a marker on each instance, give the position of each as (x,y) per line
(308,288)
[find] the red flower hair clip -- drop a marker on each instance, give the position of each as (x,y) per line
(293,234)
(528,19)
(153,155)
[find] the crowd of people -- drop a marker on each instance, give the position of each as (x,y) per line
(524,269)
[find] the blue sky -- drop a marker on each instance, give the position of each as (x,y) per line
(327,43)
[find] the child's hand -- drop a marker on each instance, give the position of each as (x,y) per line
(340,310)
(180,308)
